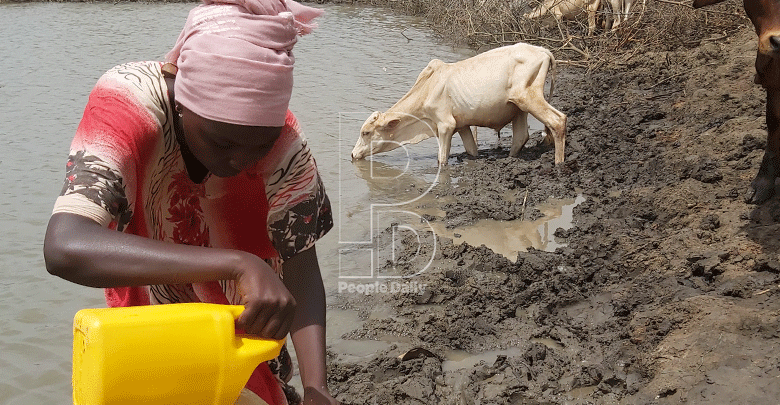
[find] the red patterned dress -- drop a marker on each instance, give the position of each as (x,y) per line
(125,170)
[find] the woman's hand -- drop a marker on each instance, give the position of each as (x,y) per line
(269,308)
(80,250)
(318,396)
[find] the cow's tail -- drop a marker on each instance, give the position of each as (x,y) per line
(551,71)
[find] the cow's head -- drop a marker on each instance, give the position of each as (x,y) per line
(383,132)
(765,15)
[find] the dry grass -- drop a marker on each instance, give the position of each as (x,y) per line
(653,25)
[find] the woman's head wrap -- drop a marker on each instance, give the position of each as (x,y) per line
(235,59)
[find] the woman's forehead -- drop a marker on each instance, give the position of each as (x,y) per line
(235,133)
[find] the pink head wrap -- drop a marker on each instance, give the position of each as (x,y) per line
(235,59)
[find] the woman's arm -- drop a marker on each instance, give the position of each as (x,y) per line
(302,277)
(78,249)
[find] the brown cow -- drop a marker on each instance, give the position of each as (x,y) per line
(765,15)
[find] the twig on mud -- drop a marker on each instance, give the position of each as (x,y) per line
(407,38)
(569,45)
(763,292)
(572,63)
(522,213)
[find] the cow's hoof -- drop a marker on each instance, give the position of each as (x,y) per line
(758,193)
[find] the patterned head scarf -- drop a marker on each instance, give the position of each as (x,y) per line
(235,59)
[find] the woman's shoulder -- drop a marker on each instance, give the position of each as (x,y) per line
(140,77)
(134,71)
(141,83)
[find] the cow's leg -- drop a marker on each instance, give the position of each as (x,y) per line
(469,140)
(445,131)
(444,149)
(519,133)
(622,10)
(612,18)
(553,120)
(592,9)
(609,20)
(763,186)
(625,9)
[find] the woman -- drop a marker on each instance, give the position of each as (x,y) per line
(191,181)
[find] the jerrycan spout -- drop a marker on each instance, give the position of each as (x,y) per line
(249,351)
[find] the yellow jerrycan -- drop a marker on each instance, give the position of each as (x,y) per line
(186,354)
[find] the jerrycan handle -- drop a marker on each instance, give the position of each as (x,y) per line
(251,347)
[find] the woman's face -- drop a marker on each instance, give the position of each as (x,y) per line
(226,149)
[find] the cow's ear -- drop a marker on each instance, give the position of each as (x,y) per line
(392,124)
(373,116)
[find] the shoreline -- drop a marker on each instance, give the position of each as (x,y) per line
(654,26)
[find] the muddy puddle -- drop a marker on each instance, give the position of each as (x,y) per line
(408,197)
(457,359)
(508,238)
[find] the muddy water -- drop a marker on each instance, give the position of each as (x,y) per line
(510,237)
(359,60)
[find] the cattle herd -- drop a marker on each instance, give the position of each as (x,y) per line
(504,85)
(615,11)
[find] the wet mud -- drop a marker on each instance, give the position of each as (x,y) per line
(667,288)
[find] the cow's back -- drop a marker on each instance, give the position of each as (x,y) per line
(479,88)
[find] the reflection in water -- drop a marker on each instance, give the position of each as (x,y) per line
(391,185)
(458,359)
(342,321)
(549,342)
(406,188)
(510,237)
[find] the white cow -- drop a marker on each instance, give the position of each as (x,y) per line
(567,10)
(489,90)
(572,9)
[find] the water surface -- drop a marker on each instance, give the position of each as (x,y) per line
(359,60)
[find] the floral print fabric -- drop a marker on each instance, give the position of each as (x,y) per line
(125,160)
(126,171)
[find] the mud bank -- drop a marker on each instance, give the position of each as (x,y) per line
(667,290)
